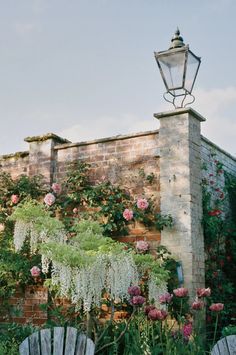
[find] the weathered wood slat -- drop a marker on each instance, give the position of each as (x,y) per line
(24,347)
(90,347)
(46,346)
(222,346)
(71,337)
(34,343)
(58,340)
(231,342)
(81,345)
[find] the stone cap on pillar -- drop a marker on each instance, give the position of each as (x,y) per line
(180,111)
(46,137)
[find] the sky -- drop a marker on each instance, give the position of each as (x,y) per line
(84,69)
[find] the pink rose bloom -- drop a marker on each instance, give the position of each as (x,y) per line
(165,298)
(148,309)
(35,271)
(49,199)
(137,300)
(15,199)
(134,291)
(181,292)
(216,307)
(197,305)
(142,246)
(128,214)
(56,188)
(75,210)
(187,330)
(157,314)
(142,204)
(203,292)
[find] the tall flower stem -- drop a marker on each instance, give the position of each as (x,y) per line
(215,331)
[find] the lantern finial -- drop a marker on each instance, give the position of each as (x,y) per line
(177,40)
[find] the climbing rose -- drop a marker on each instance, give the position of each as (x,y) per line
(49,199)
(180,292)
(203,292)
(165,298)
(157,314)
(137,300)
(142,204)
(56,188)
(142,246)
(216,307)
(187,330)
(134,291)
(128,214)
(197,305)
(15,199)
(35,271)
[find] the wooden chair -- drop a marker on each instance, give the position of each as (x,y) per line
(57,341)
(225,346)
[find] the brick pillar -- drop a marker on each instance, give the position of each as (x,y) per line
(42,156)
(181,195)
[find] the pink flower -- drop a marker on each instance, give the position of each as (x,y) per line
(128,214)
(15,199)
(134,291)
(142,204)
(180,292)
(142,246)
(138,300)
(187,330)
(214,212)
(157,314)
(216,307)
(165,298)
(49,199)
(75,210)
(197,305)
(35,271)
(148,309)
(56,188)
(203,292)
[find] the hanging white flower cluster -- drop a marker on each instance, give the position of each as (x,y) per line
(85,286)
(156,290)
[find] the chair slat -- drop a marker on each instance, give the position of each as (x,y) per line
(231,342)
(71,336)
(90,347)
(46,345)
(58,340)
(24,347)
(223,348)
(81,345)
(34,343)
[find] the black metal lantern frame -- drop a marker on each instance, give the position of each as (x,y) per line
(179,68)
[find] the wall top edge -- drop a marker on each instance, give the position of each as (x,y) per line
(16,155)
(104,140)
(215,146)
(45,137)
(180,111)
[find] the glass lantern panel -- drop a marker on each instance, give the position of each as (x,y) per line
(172,65)
(191,71)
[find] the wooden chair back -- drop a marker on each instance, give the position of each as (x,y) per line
(225,346)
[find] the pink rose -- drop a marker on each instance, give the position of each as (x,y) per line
(49,199)
(180,292)
(15,199)
(35,271)
(128,214)
(137,300)
(165,298)
(187,330)
(142,204)
(56,188)
(203,292)
(75,210)
(157,314)
(148,309)
(216,307)
(197,305)
(142,246)
(134,291)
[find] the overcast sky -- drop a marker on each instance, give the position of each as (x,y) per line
(85,69)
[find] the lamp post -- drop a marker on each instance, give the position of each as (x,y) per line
(178,67)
